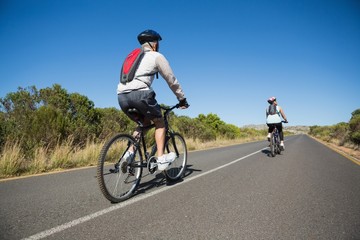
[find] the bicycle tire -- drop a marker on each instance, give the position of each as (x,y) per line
(278,148)
(117,179)
(272,145)
(176,170)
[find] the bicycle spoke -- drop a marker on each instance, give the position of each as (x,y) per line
(177,168)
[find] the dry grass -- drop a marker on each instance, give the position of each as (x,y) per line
(198,145)
(87,156)
(11,160)
(13,163)
(40,161)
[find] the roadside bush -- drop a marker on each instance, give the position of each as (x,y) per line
(354,127)
(321,132)
(339,133)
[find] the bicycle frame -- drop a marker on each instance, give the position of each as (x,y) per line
(144,155)
(276,137)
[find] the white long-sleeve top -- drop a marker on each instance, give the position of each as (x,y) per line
(152,63)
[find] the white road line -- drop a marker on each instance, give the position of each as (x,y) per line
(78,221)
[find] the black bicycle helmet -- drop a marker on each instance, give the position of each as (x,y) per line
(148,36)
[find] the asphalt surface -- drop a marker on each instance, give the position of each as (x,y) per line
(236,192)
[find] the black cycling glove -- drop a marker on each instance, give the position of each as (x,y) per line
(183,103)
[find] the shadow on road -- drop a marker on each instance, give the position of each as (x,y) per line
(159,180)
(267,152)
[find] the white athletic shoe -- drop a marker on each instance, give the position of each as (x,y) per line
(282,146)
(164,161)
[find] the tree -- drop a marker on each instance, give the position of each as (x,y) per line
(56,97)
(84,117)
(356,112)
(72,114)
(4,129)
(354,127)
(186,126)
(113,121)
(47,117)
(18,110)
(211,120)
(229,131)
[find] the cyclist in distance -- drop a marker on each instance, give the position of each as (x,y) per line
(273,119)
(139,94)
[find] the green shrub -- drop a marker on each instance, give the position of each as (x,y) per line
(354,127)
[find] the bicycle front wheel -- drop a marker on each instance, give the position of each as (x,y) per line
(176,170)
(118,178)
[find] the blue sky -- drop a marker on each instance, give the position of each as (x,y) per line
(229,56)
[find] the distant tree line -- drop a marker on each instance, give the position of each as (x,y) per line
(342,133)
(48,117)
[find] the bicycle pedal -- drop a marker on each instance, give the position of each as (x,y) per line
(116,170)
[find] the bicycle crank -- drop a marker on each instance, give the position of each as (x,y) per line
(152,165)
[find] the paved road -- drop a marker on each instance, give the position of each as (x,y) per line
(237,192)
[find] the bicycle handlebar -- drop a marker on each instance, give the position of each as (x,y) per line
(168,109)
(172,107)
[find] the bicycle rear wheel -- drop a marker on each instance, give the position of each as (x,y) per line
(272,145)
(117,178)
(176,170)
(277,144)
(278,148)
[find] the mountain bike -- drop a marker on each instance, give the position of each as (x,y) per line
(275,142)
(118,179)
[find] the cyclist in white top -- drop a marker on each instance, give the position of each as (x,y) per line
(139,94)
(273,119)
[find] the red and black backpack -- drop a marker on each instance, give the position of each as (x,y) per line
(131,64)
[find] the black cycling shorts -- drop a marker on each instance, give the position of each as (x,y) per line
(274,125)
(142,100)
